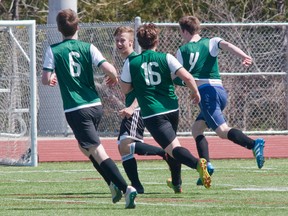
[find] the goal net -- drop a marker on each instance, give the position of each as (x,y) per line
(18,133)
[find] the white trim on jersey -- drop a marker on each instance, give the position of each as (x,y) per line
(173,63)
(83,106)
(96,55)
(125,74)
(214,46)
(179,56)
(49,59)
(162,113)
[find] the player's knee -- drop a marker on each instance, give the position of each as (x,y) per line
(127,151)
(222,134)
(222,131)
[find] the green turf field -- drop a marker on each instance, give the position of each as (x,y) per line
(238,188)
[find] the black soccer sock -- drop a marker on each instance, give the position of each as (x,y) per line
(130,167)
(202,147)
(238,137)
(175,169)
(182,155)
(99,169)
(146,149)
(114,174)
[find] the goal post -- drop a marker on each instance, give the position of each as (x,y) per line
(18,93)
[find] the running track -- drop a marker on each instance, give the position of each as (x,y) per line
(66,149)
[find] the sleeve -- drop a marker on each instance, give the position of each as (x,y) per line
(214,46)
(126,75)
(48,64)
(97,57)
(173,63)
(179,56)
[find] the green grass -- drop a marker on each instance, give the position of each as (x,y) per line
(238,188)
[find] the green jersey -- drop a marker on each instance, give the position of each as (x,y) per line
(150,76)
(130,97)
(200,58)
(72,61)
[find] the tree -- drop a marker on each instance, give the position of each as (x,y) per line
(155,10)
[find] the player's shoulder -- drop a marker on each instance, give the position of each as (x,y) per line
(70,42)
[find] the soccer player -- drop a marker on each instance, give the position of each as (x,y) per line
(130,139)
(199,56)
(149,74)
(72,61)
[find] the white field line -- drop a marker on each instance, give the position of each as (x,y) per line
(263,189)
(235,169)
(162,204)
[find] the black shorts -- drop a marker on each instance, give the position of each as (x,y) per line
(84,123)
(132,127)
(163,128)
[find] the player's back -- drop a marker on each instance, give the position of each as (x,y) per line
(151,78)
(73,67)
(199,59)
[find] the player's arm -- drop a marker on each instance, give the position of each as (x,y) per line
(189,80)
(49,78)
(109,71)
(99,60)
(48,75)
(128,111)
(126,81)
(177,80)
(246,59)
(177,69)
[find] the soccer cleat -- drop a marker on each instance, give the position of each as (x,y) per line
(210,169)
(115,192)
(203,172)
(177,188)
(258,152)
(130,196)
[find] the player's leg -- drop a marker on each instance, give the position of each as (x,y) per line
(161,128)
(238,137)
(115,192)
(112,171)
(130,142)
(84,123)
(202,144)
(126,149)
(212,110)
(185,157)
(175,182)
(95,164)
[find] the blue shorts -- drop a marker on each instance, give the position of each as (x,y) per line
(213,102)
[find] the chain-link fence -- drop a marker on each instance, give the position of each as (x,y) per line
(257,95)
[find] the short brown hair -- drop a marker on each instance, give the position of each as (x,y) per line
(124,29)
(67,22)
(147,35)
(190,24)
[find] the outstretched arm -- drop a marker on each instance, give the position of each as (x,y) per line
(246,59)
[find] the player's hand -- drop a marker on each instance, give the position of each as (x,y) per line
(53,80)
(195,97)
(247,61)
(110,81)
(126,112)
